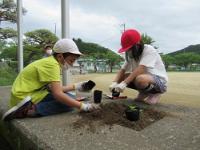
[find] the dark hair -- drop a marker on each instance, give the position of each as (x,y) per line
(65,54)
(47,46)
(137,50)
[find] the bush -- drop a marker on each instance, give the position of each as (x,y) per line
(13,65)
(7,76)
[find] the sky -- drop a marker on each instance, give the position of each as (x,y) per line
(172,24)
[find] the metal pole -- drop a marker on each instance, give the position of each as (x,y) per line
(65,18)
(20,36)
(124,27)
(65,32)
(55,28)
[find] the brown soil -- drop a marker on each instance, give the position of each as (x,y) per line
(113,113)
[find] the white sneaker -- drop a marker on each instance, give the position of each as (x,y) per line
(19,107)
(141,96)
(153,98)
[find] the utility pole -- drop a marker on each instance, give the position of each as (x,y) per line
(20,36)
(123,26)
(65,33)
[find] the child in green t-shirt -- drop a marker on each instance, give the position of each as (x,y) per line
(37,90)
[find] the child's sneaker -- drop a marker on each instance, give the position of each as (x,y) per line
(18,111)
(141,96)
(153,98)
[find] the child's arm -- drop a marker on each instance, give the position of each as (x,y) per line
(68,88)
(58,92)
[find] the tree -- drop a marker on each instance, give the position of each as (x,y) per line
(31,53)
(113,59)
(7,33)
(40,38)
(184,59)
(147,39)
(97,52)
(35,42)
(8,11)
(168,60)
(2,46)
(9,53)
(197,58)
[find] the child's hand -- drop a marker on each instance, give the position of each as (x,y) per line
(112,86)
(120,87)
(89,107)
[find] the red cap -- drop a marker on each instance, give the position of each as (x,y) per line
(128,39)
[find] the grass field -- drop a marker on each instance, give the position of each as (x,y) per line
(183,88)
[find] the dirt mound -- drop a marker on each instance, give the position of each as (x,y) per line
(113,113)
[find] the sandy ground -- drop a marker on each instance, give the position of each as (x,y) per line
(183,88)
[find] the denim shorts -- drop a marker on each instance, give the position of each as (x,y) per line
(50,106)
(160,85)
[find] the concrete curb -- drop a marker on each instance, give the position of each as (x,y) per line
(180,131)
(17,139)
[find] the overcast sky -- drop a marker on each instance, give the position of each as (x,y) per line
(173,24)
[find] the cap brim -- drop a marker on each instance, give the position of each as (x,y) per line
(77,53)
(121,50)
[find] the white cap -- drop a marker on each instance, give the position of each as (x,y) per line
(66,45)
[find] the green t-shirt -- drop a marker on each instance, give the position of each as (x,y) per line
(33,79)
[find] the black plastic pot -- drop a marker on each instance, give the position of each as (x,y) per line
(88,85)
(115,94)
(97,96)
(133,114)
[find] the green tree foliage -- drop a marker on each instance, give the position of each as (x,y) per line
(168,60)
(35,42)
(40,38)
(8,11)
(30,53)
(7,33)
(147,39)
(196,58)
(95,51)
(9,53)
(184,59)
(33,45)
(113,59)
(2,45)
(7,75)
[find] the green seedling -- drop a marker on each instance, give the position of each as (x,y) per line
(132,107)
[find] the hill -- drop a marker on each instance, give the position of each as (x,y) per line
(89,48)
(189,49)
(97,52)
(94,50)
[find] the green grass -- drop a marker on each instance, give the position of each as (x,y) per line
(7,76)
